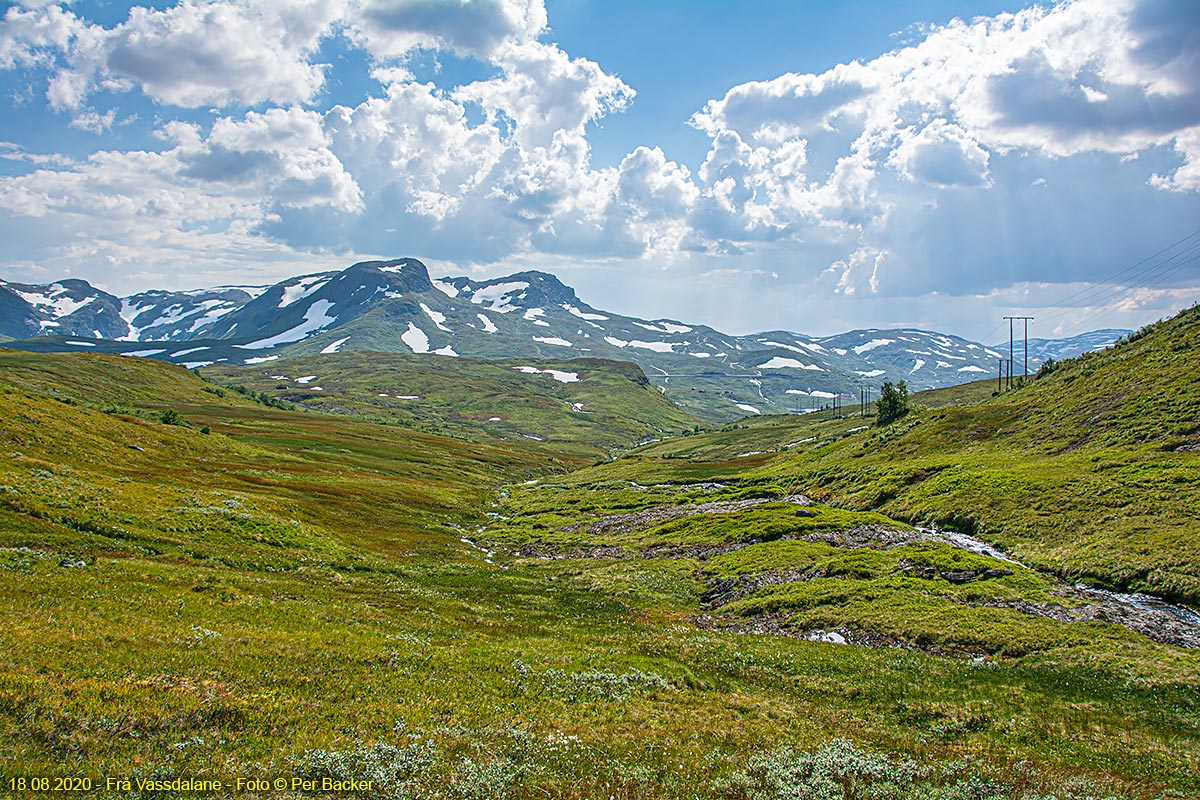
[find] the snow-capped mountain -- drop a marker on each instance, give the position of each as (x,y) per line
(395,306)
(71,307)
(1042,349)
(178,316)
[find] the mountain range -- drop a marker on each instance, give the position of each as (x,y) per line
(394,306)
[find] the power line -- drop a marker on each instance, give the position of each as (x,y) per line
(1103,294)
(1150,272)
(1111,307)
(1112,278)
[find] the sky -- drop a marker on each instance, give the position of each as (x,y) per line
(814,167)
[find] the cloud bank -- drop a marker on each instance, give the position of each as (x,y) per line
(823,174)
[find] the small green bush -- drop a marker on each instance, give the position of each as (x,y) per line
(892,403)
(170,416)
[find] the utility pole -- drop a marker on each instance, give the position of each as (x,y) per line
(1010,349)
(1025,372)
(1027,320)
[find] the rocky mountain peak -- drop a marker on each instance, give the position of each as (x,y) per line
(544,289)
(405,274)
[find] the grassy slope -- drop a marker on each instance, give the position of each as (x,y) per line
(1080,472)
(608,408)
(295,580)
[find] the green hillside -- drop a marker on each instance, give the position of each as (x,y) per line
(202,582)
(583,409)
(1090,471)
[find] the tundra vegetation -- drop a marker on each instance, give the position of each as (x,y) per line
(478,586)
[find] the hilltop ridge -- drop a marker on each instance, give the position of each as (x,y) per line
(395,306)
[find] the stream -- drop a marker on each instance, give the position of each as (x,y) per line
(1151,616)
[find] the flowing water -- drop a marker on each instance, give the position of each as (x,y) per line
(1143,602)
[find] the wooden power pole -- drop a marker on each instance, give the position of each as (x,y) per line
(1025,371)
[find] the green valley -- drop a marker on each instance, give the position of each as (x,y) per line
(537,578)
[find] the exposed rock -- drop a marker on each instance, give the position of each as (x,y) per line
(550,552)
(971,575)
(649,517)
(875,537)
(775,625)
(957,576)
(72,563)
(723,592)
(1160,626)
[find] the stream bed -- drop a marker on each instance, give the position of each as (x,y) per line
(1148,615)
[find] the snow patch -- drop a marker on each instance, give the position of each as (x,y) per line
(748,407)
(196,364)
(920,362)
(148,353)
(871,345)
(582,314)
(253,291)
(875,373)
(129,312)
(54,302)
(93,344)
(448,289)
(790,363)
(781,344)
(188,352)
(301,289)
(488,325)
(216,310)
(333,348)
(259,360)
(658,347)
(306,379)
(553,340)
(971,368)
(497,296)
(314,319)
(446,351)
(558,375)
(438,318)
(416,339)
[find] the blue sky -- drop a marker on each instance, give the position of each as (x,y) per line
(813,166)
